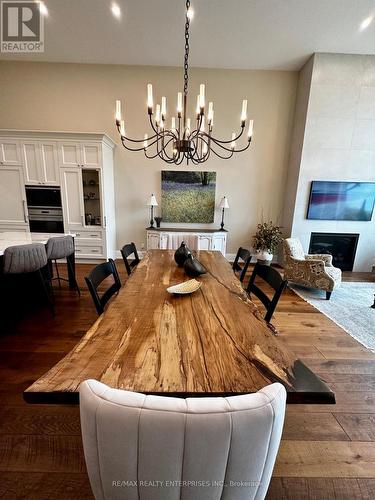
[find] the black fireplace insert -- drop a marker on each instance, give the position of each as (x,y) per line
(342,247)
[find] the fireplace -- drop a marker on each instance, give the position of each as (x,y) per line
(342,247)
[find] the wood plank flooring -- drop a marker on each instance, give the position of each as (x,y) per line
(326,451)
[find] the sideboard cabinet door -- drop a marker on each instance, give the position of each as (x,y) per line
(153,241)
(219,243)
(204,242)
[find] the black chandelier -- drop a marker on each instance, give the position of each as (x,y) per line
(182,140)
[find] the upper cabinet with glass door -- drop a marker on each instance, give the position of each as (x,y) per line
(92,196)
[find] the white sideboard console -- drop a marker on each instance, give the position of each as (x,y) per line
(197,239)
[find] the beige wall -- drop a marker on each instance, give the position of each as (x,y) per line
(337,143)
(77,97)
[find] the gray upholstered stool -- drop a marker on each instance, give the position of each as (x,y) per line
(60,247)
(30,258)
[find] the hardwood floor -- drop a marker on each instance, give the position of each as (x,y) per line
(326,451)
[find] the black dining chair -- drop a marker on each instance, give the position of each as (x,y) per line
(127,251)
(245,256)
(96,277)
(274,279)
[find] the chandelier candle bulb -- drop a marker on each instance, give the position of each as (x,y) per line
(198,108)
(118,111)
(163,106)
(188,126)
(233,143)
(203,124)
(204,148)
(179,104)
(122,128)
(145,142)
(250,130)
(201,93)
(157,114)
(150,100)
(210,113)
(173,124)
(244,111)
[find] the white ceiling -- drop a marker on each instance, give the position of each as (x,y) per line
(244,34)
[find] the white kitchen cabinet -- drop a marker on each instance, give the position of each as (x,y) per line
(13,210)
(88,199)
(49,163)
(72,198)
(70,154)
(91,155)
(10,154)
(40,163)
(164,238)
(31,162)
(82,164)
(77,154)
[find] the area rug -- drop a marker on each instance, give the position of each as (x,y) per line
(349,307)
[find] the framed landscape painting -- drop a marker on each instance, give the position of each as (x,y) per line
(188,196)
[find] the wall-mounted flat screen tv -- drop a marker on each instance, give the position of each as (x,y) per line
(341,200)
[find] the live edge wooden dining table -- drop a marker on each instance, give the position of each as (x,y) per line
(213,342)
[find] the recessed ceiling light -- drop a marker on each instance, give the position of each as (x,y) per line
(116,11)
(43,9)
(366,23)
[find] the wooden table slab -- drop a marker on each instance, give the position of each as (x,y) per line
(213,342)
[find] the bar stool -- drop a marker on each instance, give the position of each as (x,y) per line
(32,258)
(60,247)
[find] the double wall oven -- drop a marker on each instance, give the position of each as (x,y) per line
(45,209)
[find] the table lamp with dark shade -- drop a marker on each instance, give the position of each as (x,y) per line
(223,205)
(152,203)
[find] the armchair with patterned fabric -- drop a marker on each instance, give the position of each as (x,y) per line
(310,270)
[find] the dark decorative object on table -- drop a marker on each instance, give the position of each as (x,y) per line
(181,254)
(373,305)
(158,220)
(193,267)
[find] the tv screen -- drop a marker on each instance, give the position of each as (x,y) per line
(341,200)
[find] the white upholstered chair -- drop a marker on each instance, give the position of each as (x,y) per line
(310,270)
(160,448)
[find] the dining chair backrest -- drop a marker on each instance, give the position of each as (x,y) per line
(59,247)
(245,256)
(96,277)
(24,258)
(274,279)
(127,251)
(133,442)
